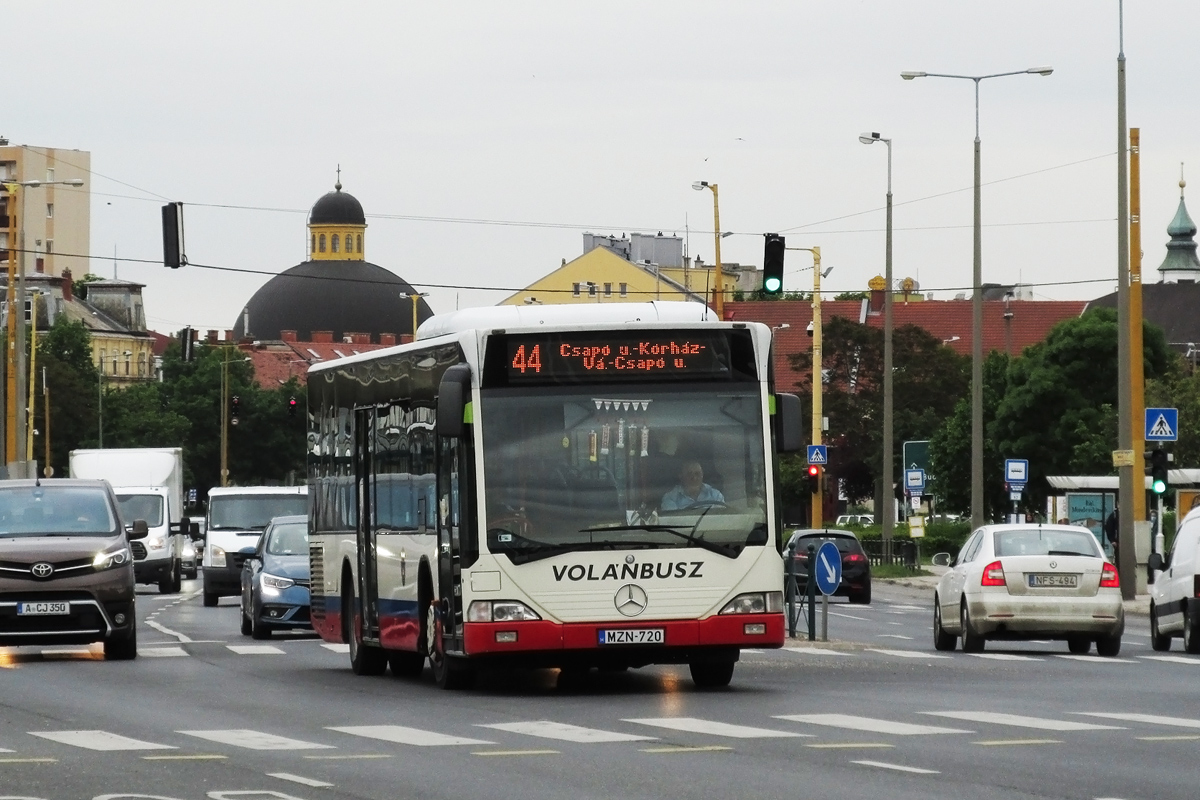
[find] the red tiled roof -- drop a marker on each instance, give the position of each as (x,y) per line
(948,320)
(276,362)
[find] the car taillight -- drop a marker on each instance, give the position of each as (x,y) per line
(853,558)
(1109,578)
(993,575)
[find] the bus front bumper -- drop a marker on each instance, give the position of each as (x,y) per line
(552,642)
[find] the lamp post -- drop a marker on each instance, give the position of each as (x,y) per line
(977,298)
(719,300)
(889,497)
(414,298)
(818,415)
(16,447)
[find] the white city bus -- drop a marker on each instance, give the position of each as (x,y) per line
(506,491)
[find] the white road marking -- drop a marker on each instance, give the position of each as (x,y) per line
(848,616)
(99,740)
(287,776)
(1195,662)
(337,648)
(816,651)
(164,629)
(894,636)
(256,740)
(1004,657)
(906,653)
(898,767)
(907,608)
(399,734)
(547,729)
(6,750)
(1022,722)
(694,725)
(255,649)
(855,723)
(1152,719)
(753,651)
(1098,659)
(162,652)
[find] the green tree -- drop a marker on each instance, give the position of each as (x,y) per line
(64,360)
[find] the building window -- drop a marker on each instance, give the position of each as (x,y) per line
(49,174)
(624,289)
(314,244)
(333,243)
(591,289)
(359,242)
(49,210)
(141,365)
(322,242)
(114,371)
(608,290)
(103,354)
(49,245)
(575,289)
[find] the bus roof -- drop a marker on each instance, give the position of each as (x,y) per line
(564,314)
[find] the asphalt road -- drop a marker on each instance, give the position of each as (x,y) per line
(208,713)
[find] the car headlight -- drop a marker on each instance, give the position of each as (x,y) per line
(216,557)
(500,611)
(270,581)
(755,603)
(156,542)
(111,558)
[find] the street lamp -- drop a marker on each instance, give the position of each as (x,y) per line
(414,298)
(719,301)
(977,299)
(889,509)
(16,449)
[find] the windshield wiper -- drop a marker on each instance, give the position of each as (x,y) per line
(690,537)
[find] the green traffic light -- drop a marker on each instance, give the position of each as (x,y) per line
(1159,486)
(772,284)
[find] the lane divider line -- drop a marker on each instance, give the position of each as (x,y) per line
(516,753)
(1005,742)
(713,748)
(897,767)
(300,779)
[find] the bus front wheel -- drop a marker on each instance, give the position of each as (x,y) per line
(711,674)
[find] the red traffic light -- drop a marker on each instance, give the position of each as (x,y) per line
(814,471)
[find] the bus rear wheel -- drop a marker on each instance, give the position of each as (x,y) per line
(364,659)
(711,674)
(448,672)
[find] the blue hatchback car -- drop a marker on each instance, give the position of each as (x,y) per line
(275,580)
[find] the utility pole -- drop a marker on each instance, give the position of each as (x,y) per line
(1137,377)
(1125,475)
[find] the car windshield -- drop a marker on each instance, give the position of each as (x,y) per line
(1046,542)
(623,467)
(246,512)
(141,506)
(51,511)
(290,539)
(845,544)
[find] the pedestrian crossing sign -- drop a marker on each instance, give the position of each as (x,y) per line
(1162,424)
(817,454)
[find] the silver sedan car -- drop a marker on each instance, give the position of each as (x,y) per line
(1030,582)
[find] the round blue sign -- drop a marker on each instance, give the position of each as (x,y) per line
(828,568)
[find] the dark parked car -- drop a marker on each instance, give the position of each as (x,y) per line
(66,570)
(856,567)
(275,580)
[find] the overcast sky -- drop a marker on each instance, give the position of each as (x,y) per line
(483,138)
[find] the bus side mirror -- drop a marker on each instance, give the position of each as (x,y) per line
(789,435)
(454,395)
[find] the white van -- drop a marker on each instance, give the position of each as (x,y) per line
(236,518)
(1175,593)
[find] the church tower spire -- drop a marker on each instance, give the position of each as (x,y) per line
(337,226)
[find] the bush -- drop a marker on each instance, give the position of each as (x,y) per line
(940,537)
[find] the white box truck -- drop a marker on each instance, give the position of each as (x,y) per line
(148,483)
(237,516)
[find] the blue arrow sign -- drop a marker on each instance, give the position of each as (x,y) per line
(828,568)
(1162,424)
(817,454)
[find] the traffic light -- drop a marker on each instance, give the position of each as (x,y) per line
(172,228)
(292,406)
(235,405)
(1158,471)
(773,264)
(814,479)
(186,344)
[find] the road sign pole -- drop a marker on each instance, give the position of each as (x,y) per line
(812,593)
(824,618)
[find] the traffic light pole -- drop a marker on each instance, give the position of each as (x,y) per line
(818,415)
(225,420)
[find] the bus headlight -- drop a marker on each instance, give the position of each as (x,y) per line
(500,611)
(755,603)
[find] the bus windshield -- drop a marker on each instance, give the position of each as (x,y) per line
(623,467)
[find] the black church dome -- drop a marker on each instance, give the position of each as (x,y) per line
(337,208)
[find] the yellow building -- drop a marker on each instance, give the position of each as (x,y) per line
(58,218)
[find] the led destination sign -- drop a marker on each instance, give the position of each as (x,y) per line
(588,356)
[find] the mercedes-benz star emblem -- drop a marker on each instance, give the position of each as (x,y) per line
(631,600)
(42,570)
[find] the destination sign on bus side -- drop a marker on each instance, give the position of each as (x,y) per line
(616,356)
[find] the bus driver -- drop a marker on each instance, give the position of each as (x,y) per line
(691,490)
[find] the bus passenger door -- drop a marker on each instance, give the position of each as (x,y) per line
(450,561)
(368,573)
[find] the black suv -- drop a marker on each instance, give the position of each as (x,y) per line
(66,572)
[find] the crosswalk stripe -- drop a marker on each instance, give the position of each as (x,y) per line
(1097,659)
(1022,721)
(1003,657)
(99,740)
(547,729)
(162,652)
(300,779)
(337,648)
(906,653)
(255,740)
(855,723)
(897,767)
(399,734)
(694,725)
(1151,719)
(1195,662)
(255,649)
